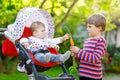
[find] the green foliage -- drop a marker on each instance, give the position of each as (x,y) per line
(52,72)
(73,69)
(9,10)
(116,59)
(111,49)
(113,66)
(58,8)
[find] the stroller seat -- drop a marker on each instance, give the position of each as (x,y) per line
(8,48)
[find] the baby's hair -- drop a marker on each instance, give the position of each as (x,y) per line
(98,20)
(36,25)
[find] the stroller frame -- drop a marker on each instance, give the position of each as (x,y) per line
(24,55)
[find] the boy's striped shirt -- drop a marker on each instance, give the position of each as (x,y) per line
(91,57)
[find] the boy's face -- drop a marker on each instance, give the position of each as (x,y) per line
(40,32)
(93,31)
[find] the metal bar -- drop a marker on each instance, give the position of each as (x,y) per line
(18,45)
(63,78)
(64,68)
(1,33)
(3,29)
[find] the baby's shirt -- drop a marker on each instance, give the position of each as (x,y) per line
(36,43)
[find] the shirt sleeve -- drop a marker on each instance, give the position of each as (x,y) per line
(23,40)
(55,40)
(94,56)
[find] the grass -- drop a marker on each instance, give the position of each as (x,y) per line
(53,72)
(15,76)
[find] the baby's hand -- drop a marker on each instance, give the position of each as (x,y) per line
(26,45)
(65,37)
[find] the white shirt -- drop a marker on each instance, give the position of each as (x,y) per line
(38,43)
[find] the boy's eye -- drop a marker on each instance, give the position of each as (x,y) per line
(89,26)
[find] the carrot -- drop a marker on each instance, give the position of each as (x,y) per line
(71,41)
(73,68)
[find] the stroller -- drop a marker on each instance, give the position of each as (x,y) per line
(19,29)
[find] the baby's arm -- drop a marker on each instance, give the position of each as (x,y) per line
(59,39)
(65,37)
(53,42)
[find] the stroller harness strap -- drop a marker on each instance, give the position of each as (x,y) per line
(40,51)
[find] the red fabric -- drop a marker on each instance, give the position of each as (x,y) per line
(9,49)
(26,33)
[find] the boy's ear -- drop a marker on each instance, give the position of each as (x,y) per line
(100,28)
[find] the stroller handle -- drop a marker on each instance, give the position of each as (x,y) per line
(2,31)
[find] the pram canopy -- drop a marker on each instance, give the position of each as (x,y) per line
(25,18)
(20,28)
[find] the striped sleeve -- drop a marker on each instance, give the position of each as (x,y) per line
(93,53)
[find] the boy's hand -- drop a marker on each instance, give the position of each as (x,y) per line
(74,50)
(74,54)
(65,37)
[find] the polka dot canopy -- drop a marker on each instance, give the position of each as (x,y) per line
(25,18)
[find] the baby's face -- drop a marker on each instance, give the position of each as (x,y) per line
(40,32)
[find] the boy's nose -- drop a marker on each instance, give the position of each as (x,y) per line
(87,28)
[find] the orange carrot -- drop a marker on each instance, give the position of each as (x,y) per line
(72,44)
(71,41)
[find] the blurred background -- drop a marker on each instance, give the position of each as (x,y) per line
(69,17)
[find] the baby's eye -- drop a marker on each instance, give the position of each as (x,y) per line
(43,30)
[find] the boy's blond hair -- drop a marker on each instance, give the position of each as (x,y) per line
(35,25)
(98,20)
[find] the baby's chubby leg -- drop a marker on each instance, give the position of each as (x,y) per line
(60,57)
(44,58)
(65,56)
